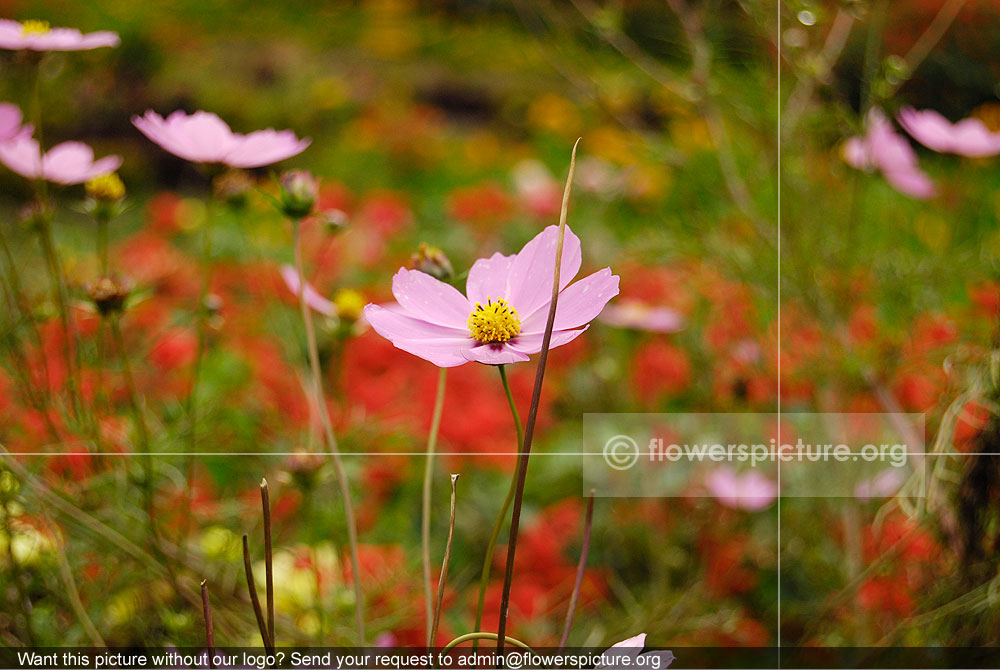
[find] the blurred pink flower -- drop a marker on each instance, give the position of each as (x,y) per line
(968,137)
(313,298)
(882,485)
(10,122)
(632,649)
(38,36)
(750,491)
(203,137)
(66,163)
(640,316)
(503,318)
(882,148)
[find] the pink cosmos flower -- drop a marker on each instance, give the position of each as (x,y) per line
(203,137)
(882,148)
(313,298)
(501,319)
(750,491)
(632,648)
(969,137)
(10,122)
(66,163)
(640,316)
(38,36)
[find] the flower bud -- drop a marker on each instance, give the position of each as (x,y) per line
(109,294)
(349,304)
(433,261)
(104,196)
(299,190)
(106,188)
(232,187)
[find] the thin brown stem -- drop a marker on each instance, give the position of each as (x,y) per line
(444,564)
(206,610)
(331,441)
(425,515)
(536,395)
(580,569)
(265,502)
(929,38)
(254,599)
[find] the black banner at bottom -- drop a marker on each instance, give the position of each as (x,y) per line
(465,657)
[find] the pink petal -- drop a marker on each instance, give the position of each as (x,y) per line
(10,121)
(912,182)
(532,342)
(491,354)
(23,156)
(264,147)
(441,346)
(579,303)
(73,163)
(530,278)
(201,137)
(313,298)
(488,278)
(427,298)
(969,137)
(637,641)
(637,315)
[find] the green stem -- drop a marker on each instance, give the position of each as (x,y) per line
(102,243)
(331,440)
(191,402)
(425,516)
(484,578)
(140,425)
(70,350)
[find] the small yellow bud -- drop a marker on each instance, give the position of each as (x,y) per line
(106,188)
(349,304)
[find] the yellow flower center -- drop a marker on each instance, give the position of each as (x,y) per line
(494,322)
(107,188)
(34,27)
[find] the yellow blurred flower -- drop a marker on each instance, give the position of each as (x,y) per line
(690,134)
(611,143)
(390,34)
(555,114)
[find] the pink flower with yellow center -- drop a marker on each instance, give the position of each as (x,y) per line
(39,36)
(66,163)
(502,317)
(203,137)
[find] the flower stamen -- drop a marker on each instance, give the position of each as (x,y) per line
(494,322)
(35,27)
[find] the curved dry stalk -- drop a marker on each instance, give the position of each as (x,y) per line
(265,502)
(254,599)
(206,609)
(444,564)
(536,395)
(580,569)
